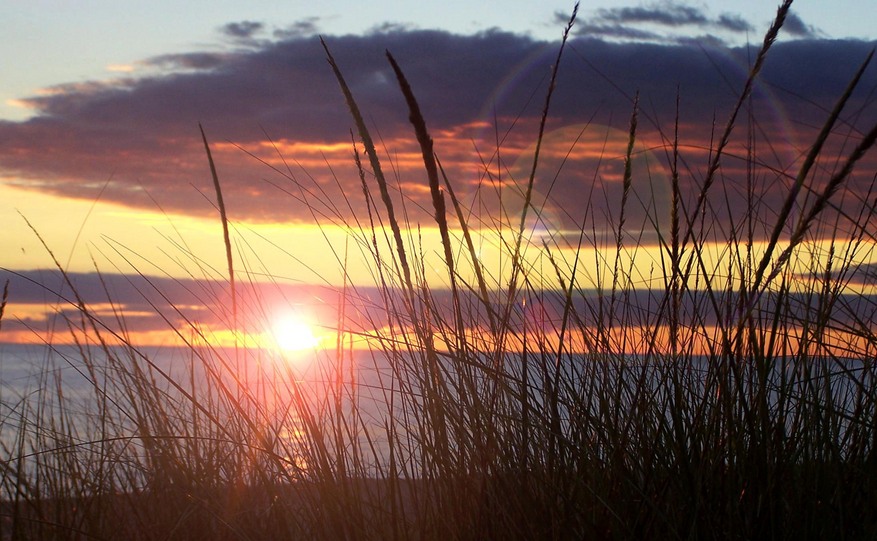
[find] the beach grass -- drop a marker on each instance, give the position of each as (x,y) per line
(735,399)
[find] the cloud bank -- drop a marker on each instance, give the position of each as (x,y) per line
(281,133)
(162,307)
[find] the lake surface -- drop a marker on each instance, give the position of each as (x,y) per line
(370,393)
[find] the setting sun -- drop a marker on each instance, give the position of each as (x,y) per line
(293,334)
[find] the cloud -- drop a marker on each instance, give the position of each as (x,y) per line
(796,27)
(618,32)
(670,22)
(733,23)
(666,14)
(39,300)
(187,61)
(279,98)
(659,23)
(306,27)
(243,30)
(389,27)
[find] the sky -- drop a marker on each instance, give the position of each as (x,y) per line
(101,156)
(50,42)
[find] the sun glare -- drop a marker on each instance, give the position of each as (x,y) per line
(293,334)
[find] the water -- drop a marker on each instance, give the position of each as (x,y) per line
(42,387)
(364,393)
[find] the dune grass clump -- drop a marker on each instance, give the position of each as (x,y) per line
(728,391)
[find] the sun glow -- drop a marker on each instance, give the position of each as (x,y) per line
(293,334)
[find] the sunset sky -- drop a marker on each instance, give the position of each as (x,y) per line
(101,101)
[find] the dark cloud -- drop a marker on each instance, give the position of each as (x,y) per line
(243,30)
(733,23)
(644,23)
(796,27)
(143,133)
(164,304)
(702,41)
(308,26)
(201,300)
(390,27)
(668,14)
(618,32)
(666,22)
(197,61)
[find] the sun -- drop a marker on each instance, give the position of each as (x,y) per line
(293,334)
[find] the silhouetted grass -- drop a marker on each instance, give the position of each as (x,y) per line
(736,400)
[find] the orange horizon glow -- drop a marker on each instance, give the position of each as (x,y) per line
(289,335)
(627,340)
